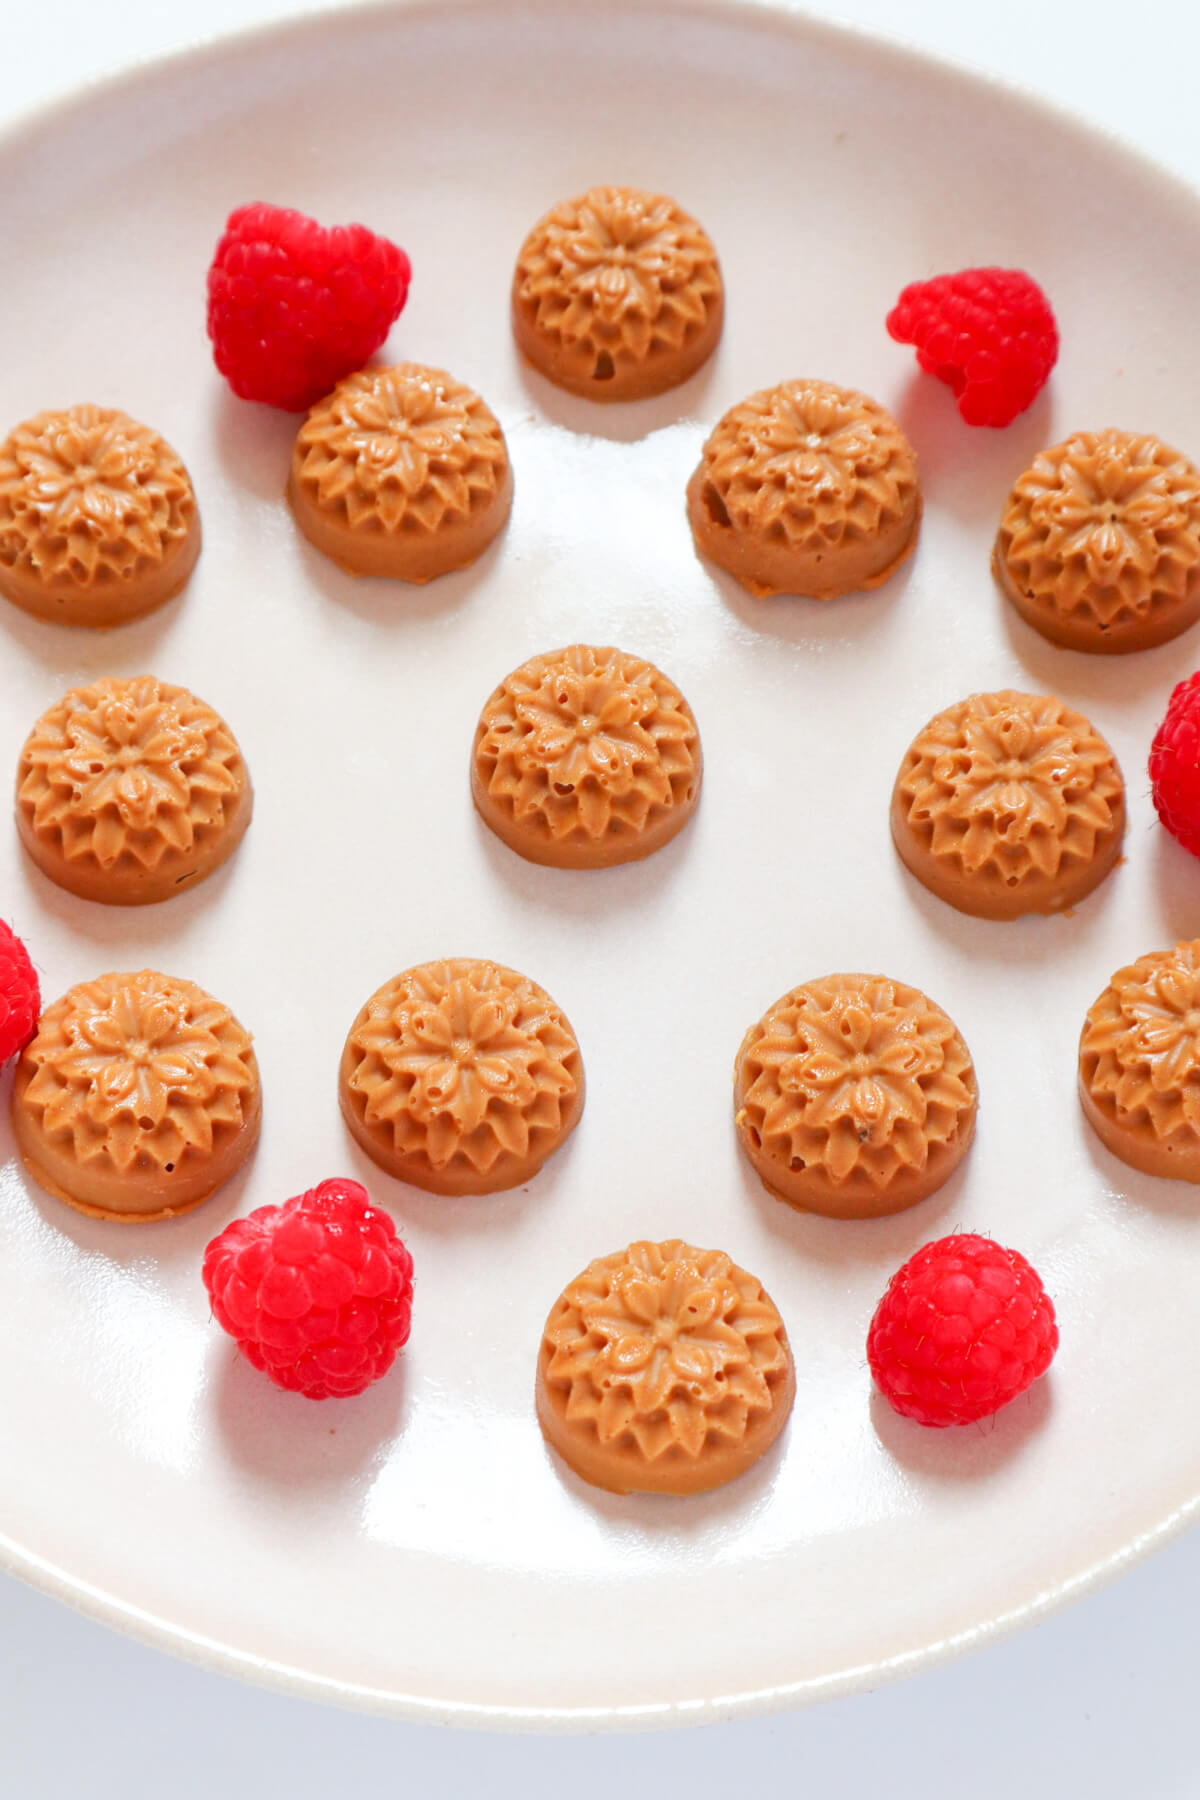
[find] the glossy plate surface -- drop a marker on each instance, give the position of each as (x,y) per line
(418,1550)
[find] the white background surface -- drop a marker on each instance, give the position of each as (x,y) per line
(1093,1701)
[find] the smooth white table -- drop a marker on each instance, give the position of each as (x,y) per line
(1097,1701)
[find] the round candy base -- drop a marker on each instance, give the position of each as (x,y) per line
(618,845)
(858,1197)
(624,376)
(127,1199)
(128,882)
(991,897)
(411,554)
(766,568)
(674,1472)
(1175,1158)
(458,1176)
(104,603)
(1124,639)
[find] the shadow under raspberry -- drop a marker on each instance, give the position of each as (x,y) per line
(961,1453)
(286,1439)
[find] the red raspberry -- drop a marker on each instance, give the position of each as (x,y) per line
(988,333)
(963,1328)
(1175,765)
(317,1292)
(20,999)
(293,307)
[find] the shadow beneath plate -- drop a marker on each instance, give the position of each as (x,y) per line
(618,421)
(291,1441)
(959,1453)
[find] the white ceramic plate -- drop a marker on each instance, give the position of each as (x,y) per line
(418,1550)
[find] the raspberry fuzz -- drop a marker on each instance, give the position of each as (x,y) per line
(317,1292)
(1175,765)
(963,1328)
(20,999)
(293,306)
(988,333)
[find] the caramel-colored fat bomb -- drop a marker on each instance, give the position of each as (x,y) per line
(617,295)
(1139,1063)
(1099,545)
(461,1077)
(663,1369)
(1009,803)
(98,520)
(854,1096)
(129,791)
(806,488)
(401,472)
(586,757)
(137,1098)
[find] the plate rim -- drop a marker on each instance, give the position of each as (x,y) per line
(719,1709)
(902,59)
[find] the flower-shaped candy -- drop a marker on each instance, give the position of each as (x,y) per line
(138,1096)
(806,488)
(98,520)
(1139,1063)
(1009,803)
(401,471)
(131,790)
(586,756)
(461,1077)
(854,1095)
(664,1368)
(617,294)
(1099,545)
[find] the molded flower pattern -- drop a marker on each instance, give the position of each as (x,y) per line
(618,268)
(1140,1049)
(1012,778)
(807,460)
(463,1059)
(129,767)
(139,1065)
(1106,524)
(668,1343)
(587,736)
(89,494)
(404,447)
(855,1072)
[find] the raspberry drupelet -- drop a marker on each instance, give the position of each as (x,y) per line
(1175,765)
(294,306)
(317,1292)
(990,334)
(964,1327)
(20,998)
